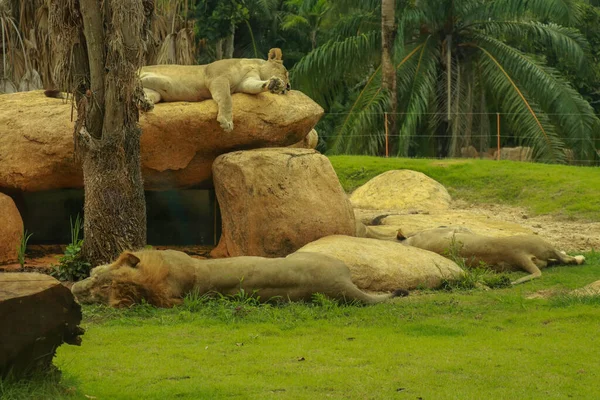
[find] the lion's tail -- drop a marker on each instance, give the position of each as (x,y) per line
(378,298)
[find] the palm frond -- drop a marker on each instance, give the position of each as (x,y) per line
(562,41)
(361,127)
(564,12)
(526,118)
(574,116)
(417,91)
(354,24)
(320,72)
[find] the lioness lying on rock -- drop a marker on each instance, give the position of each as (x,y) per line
(521,252)
(217,80)
(163,278)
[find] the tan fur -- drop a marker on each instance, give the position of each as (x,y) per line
(217,80)
(529,253)
(163,278)
(380,232)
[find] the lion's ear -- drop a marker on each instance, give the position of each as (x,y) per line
(275,54)
(129,259)
(400,236)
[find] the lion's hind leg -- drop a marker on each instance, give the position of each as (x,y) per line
(563,258)
(527,264)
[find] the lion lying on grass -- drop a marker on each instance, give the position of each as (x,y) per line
(529,253)
(217,80)
(163,278)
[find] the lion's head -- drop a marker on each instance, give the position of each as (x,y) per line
(132,278)
(274,67)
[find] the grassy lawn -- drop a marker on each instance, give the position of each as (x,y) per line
(543,189)
(462,344)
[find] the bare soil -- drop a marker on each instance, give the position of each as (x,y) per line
(566,234)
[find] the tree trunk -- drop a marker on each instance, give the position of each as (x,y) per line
(229,43)
(219,49)
(107,130)
(388,72)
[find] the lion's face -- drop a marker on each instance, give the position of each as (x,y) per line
(274,68)
(104,280)
(96,288)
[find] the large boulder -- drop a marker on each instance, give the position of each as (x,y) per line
(401,190)
(38,314)
(11,229)
(381,265)
(274,201)
(179,142)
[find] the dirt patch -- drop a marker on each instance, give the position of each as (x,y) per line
(492,220)
(566,234)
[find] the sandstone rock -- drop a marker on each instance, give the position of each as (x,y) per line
(401,190)
(179,141)
(11,229)
(310,141)
(274,201)
(519,153)
(38,314)
(479,224)
(469,152)
(381,265)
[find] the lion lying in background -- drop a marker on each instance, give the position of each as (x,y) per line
(529,253)
(163,278)
(217,80)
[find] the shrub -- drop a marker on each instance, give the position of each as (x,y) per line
(71,266)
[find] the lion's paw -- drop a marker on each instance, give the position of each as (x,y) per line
(579,260)
(225,124)
(276,85)
(145,105)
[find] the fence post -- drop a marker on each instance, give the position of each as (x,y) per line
(386,136)
(498,134)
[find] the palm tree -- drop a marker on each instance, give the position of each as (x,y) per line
(388,77)
(458,62)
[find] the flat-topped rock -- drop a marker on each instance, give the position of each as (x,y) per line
(274,201)
(178,145)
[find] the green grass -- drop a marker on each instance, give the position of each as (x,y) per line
(469,344)
(544,189)
(445,344)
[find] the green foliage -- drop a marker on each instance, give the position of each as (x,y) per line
(215,18)
(497,64)
(22,247)
(72,267)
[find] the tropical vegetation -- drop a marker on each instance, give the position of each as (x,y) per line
(464,69)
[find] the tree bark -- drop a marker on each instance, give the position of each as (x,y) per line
(229,43)
(388,72)
(107,129)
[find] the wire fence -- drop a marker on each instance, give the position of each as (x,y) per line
(517,152)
